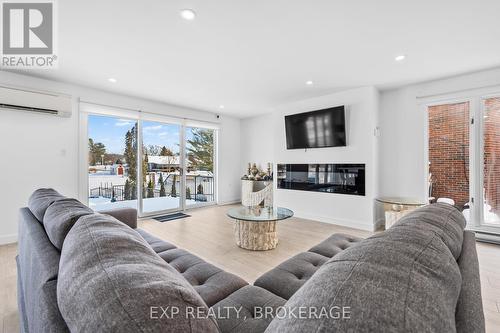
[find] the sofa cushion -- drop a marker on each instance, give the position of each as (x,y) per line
(445,220)
(247,310)
(404,279)
(60,217)
(286,278)
(211,282)
(335,244)
(180,259)
(41,199)
(158,245)
(111,280)
(126,215)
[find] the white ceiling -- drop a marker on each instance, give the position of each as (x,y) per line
(254,55)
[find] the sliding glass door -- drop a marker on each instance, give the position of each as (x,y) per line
(161,167)
(464,158)
(448,154)
(112,160)
(200,161)
(149,164)
(490,163)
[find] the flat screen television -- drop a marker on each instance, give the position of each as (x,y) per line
(316,129)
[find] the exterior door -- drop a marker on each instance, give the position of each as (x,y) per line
(161,169)
(489,164)
(112,157)
(200,166)
(449,162)
(150,162)
(464,158)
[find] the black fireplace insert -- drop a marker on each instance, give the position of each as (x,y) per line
(327,178)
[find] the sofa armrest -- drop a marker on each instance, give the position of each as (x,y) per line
(469,314)
(125,215)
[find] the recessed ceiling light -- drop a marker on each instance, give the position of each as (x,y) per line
(221,106)
(309,83)
(188,14)
(400,57)
(112,80)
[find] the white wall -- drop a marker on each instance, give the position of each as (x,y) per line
(402,126)
(229,186)
(354,211)
(257,141)
(42,151)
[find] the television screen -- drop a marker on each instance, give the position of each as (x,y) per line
(316,129)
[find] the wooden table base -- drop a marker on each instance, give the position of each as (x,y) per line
(257,236)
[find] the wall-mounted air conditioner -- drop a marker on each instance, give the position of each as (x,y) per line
(23,100)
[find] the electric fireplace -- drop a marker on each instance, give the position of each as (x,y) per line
(327,178)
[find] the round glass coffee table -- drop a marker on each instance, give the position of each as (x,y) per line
(255,227)
(388,210)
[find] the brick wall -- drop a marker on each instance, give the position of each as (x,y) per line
(492,153)
(449,151)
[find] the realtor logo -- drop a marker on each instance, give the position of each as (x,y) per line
(28,34)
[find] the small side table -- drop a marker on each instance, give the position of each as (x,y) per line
(388,210)
(255,227)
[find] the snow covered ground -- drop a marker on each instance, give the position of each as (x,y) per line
(149,205)
(104,178)
(489,216)
(98,179)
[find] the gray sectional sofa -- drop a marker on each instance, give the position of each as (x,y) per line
(82,271)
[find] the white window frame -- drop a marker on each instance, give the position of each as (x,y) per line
(476,98)
(86,109)
(214,172)
(480,123)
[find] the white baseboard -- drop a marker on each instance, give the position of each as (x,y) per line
(487,238)
(229,202)
(8,239)
(342,222)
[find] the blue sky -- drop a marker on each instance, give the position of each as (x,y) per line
(111,132)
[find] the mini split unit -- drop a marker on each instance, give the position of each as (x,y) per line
(22,100)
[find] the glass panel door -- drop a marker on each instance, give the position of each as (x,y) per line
(161,167)
(112,171)
(154,166)
(200,160)
(448,152)
(490,207)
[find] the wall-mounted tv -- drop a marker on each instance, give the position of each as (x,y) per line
(316,129)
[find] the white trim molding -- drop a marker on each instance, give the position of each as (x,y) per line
(8,239)
(369,226)
(229,202)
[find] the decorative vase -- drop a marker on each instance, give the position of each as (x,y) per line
(254,171)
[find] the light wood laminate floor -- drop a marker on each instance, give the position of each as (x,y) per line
(208,233)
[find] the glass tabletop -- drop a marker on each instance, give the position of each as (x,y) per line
(259,214)
(401,201)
